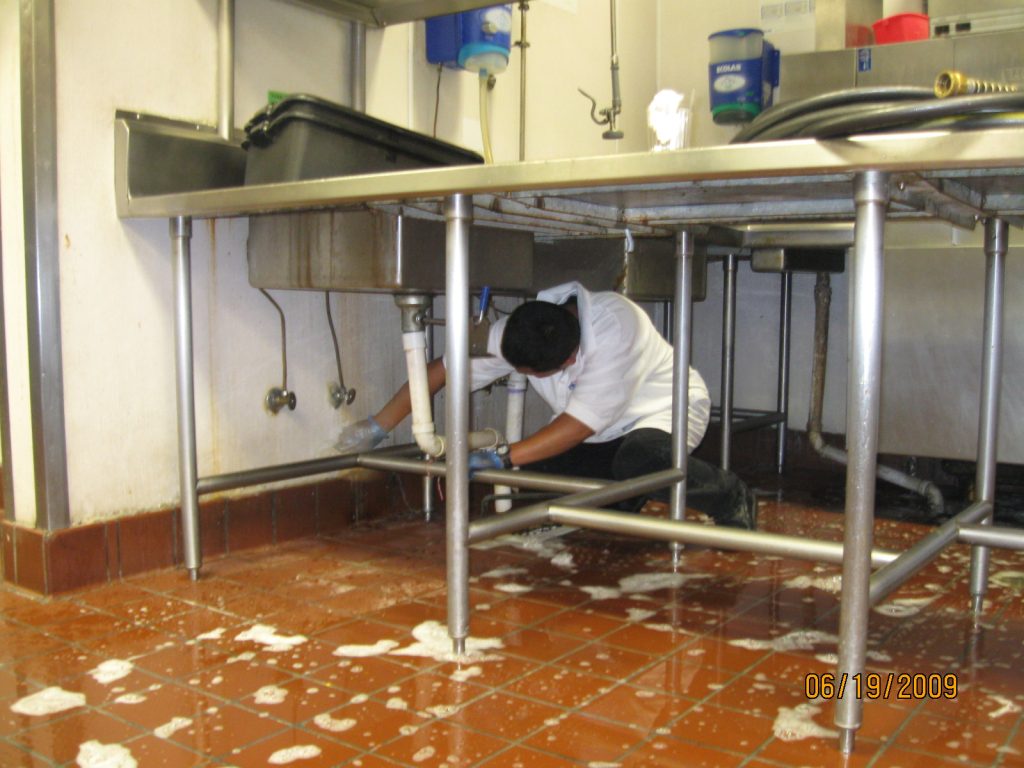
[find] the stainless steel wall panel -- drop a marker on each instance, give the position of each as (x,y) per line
(998,56)
(915,63)
(932,352)
(807,74)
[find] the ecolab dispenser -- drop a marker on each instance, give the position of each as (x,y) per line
(478,40)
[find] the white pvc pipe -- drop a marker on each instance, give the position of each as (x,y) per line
(415,345)
(423,430)
(513,428)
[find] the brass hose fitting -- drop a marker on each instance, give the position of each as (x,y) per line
(952,82)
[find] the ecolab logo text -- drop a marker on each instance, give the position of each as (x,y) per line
(735,66)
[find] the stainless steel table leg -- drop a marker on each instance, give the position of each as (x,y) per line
(681,377)
(181,239)
(428,481)
(458,213)
(728,355)
(782,392)
(996,231)
(871,195)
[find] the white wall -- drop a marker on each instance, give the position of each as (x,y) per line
(13,265)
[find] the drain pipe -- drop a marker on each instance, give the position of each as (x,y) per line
(822,303)
(414,341)
(513,428)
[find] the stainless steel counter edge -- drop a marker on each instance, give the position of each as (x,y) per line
(1000,150)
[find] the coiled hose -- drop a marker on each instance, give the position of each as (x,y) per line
(864,110)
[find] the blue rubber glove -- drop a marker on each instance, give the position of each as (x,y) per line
(362,436)
(485,458)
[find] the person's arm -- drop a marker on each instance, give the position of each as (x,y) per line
(400,405)
(564,432)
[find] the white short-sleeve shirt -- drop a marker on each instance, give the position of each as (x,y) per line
(622,377)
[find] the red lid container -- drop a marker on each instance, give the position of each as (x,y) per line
(901,28)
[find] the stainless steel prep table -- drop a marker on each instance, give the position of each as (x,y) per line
(962,178)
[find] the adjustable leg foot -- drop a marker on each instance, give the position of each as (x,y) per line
(847,737)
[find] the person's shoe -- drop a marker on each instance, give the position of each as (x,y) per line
(743,515)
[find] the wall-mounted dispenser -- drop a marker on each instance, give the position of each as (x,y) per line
(478,41)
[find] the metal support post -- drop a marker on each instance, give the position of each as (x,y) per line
(988,421)
(458,213)
(181,240)
(681,378)
(428,482)
(728,355)
(871,196)
(782,393)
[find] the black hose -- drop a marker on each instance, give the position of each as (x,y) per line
(830,100)
(908,116)
(862,110)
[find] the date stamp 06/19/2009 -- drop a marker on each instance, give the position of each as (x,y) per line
(884,685)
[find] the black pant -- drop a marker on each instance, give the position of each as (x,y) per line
(718,493)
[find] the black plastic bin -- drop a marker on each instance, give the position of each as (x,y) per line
(305,137)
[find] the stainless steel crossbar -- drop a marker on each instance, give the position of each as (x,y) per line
(245,478)
(889,578)
(710,536)
(991,536)
(537,514)
(535,481)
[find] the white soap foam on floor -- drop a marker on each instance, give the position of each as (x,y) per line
(564,561)
(271,694)
(1009,579)
(601,593)
(466,673)
(213,634)
(110,670)
(637,615)
(362,651)
(513,589)
(833,583)
(93,754)
(1006,707)
(130,698)
(48,701)
(640,583)
(904,606)
(501,573)
(800,640)
(171,727)
(442,710)
(334,725)
(265,634)
(424,754)
(797,723)
(433,642)
(292,754)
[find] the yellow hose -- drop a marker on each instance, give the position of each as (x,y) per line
(485,129)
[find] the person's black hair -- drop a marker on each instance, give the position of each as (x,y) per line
(540,336)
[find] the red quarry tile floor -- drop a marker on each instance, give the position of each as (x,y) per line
(318,653)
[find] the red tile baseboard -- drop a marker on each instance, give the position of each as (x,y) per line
(50,562)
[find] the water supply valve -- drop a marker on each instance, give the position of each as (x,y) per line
(339,395)
(278,398)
